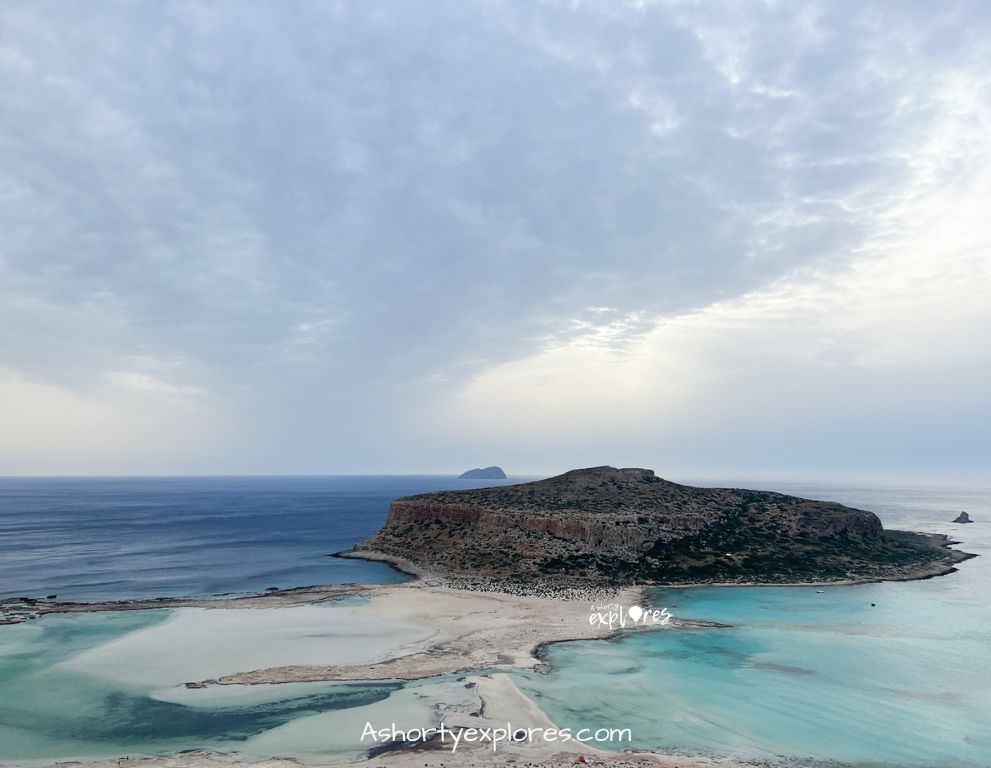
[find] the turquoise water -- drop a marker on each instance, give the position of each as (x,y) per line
(800,674)
(50,710)
(803,674)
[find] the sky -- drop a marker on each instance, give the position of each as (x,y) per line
(714,239)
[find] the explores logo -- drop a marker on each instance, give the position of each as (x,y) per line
(614,615)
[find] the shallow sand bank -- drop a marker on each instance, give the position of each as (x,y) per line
(498,702)
(195,644)
(418,629)
(470,631)
(14,610)
(406,631)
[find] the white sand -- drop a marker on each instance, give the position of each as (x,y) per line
(196,643)
(469,630)
(338,734)
(333,739)
(410,631)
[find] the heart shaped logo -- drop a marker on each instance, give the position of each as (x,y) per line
(635,612)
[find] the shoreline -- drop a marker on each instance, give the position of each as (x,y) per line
(483,635)
(470,631)
(917,572)
(16,610)
(498,703)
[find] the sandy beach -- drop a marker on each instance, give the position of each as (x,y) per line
(497,701)
(411,631)
(470,631)
(218,648)
(408,631)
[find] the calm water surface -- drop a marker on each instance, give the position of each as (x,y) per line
(799,675)
(905,681)
(112,538)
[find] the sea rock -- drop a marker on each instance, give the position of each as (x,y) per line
(963,517)
(488,473)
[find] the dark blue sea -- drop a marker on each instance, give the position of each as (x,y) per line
(117,538)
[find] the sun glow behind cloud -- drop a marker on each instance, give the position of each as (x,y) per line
(893,326)
(400,237)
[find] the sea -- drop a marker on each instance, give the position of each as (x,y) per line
(874,675)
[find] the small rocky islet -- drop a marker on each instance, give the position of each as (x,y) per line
(483,473)
(604,526)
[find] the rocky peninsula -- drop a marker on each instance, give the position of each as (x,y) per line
(612,527)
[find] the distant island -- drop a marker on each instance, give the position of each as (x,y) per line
(488,473)
(607,526)
(963,517)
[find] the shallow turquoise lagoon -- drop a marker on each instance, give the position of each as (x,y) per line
(802,673)
(51,708)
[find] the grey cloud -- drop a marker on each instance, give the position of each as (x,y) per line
(317,207)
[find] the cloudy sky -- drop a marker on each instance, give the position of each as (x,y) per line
(715,239)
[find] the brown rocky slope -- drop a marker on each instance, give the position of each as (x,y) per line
(621,526)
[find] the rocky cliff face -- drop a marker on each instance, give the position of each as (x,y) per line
(627,525)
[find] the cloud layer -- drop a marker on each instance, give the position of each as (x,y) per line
(240,237)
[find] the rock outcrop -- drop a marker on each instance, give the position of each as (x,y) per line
(488,473)
(615,526)
(963,517)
